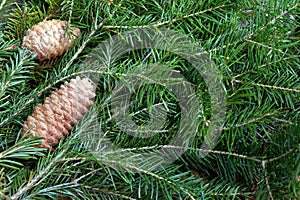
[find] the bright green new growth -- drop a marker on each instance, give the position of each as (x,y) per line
(256,48)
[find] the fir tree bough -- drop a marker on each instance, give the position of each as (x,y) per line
(255,45)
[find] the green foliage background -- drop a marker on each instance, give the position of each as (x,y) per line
(256,48)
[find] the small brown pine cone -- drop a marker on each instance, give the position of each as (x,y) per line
(62,109)
(50,39)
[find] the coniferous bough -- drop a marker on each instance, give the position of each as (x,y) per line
(255,47)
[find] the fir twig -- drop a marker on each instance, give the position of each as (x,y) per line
(263,45)
(165,22)
(38,178)
(263,164)
(2,4)
(96,26)
(270,86)
(140,170)
(262,66)
(249,122)
(108,192)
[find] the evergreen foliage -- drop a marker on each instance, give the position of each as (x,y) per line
(255,45)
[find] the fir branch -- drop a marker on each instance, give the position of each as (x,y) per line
(22,150)
(252,33)
(83,45)
(263,45)
(165,22)
(14,74)
(270,86)
(272,21)
(188,148)
(96,26)
(74,183)
(108,192)
(140,170)
(72,159)
(235,194)
(262,66)
(71,11)
(206,150)
(284,121)
(2,4)
(250,121)
(42,175)
(279,157)
(263,164)
(86,175)
(5,197)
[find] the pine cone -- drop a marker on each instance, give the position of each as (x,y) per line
(49,39)
(62,109)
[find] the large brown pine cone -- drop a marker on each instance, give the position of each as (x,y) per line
(62,109)
(50,39)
